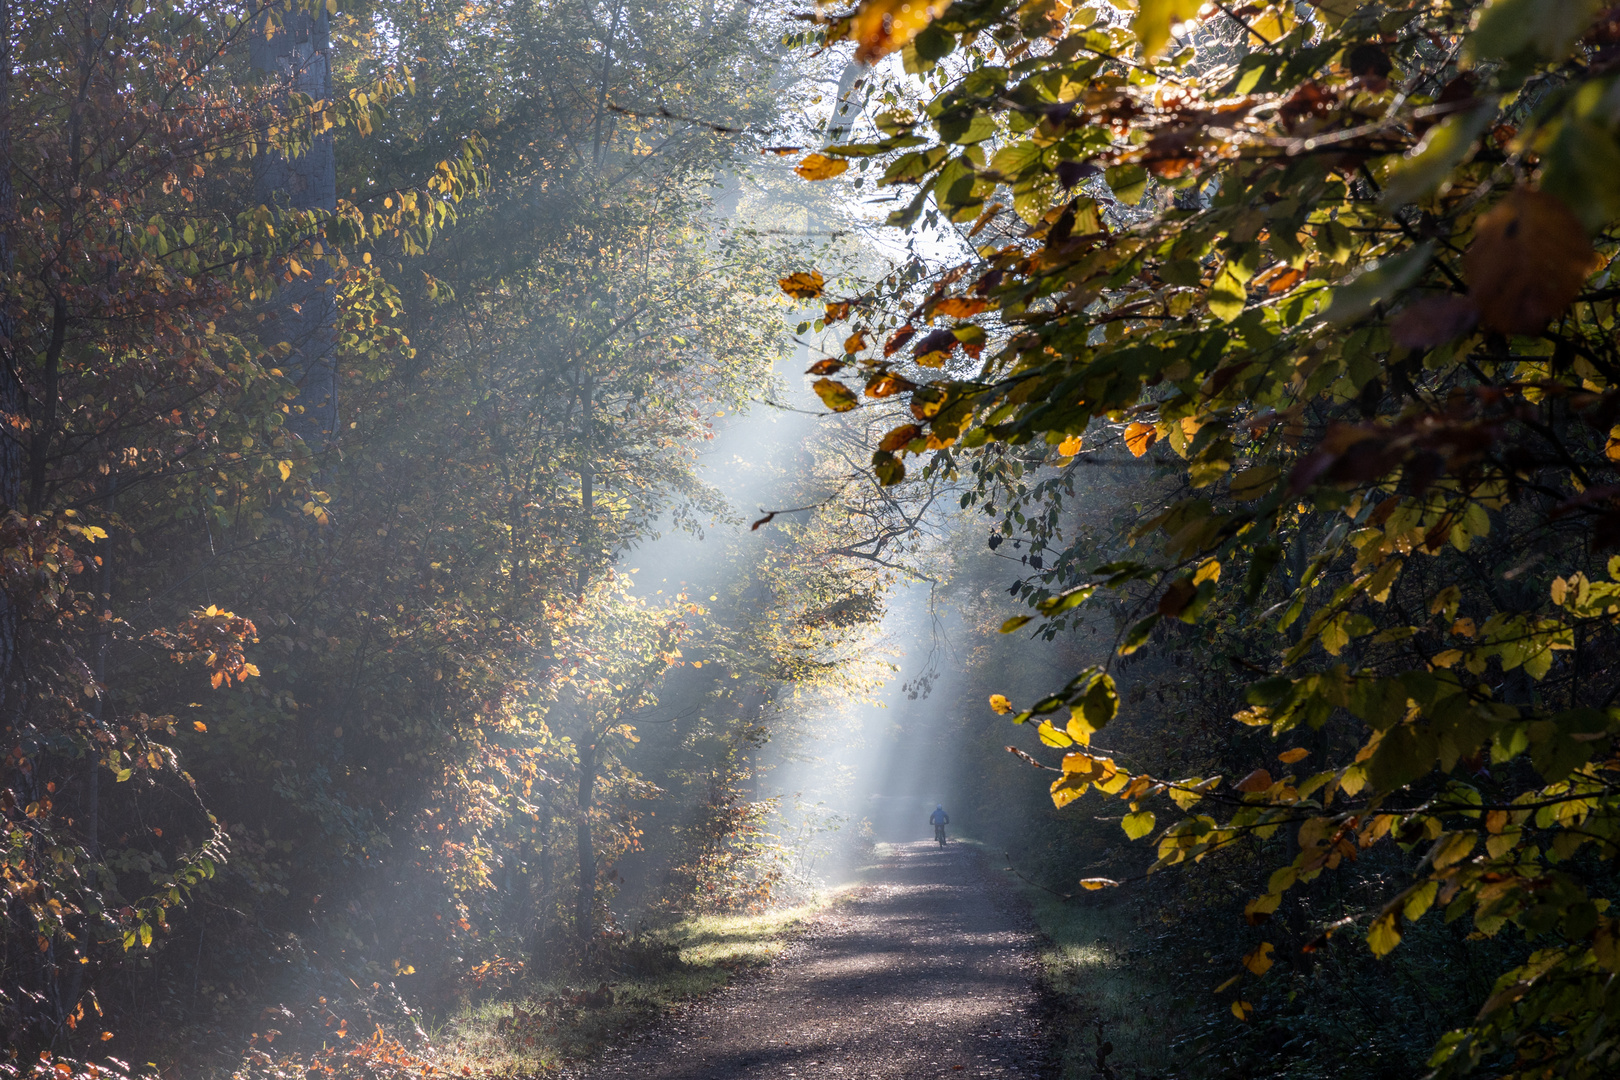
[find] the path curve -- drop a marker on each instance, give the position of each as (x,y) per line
(927,971)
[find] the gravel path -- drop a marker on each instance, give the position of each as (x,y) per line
(925,972)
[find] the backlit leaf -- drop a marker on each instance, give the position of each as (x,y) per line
(1528,261)
(803,285)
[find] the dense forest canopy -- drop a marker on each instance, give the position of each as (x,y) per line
(385,617)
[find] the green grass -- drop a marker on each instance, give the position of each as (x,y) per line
(713,949)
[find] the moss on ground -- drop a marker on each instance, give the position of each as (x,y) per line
(548,1023)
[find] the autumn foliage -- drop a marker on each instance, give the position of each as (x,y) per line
(1342,273)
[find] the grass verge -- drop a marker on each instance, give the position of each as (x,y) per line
(1090,981)
(550,1023)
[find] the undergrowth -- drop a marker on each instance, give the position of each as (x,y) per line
(548,1023)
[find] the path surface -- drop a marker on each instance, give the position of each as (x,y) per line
(926,972)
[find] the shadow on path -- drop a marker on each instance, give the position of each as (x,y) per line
(925,972)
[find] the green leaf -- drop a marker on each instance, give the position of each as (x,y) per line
(1101,702)
(1015,622)
(1378,283)
(1430,163)
(1549,27)
(1128,182)
(1137,636)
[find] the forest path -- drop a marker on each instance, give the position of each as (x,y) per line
(926,971)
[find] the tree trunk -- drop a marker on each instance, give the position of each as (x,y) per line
(585,908)
(11,395)
(298,52)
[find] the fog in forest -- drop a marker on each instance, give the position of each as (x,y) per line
(513,516)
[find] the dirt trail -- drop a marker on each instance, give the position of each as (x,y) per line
(925,972)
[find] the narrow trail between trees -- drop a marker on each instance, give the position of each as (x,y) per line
(926,971)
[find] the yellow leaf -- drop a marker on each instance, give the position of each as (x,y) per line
(834,394)
(1560,589)
(1138,825)
(879,27)
(1051,736)
(1298,753)
(1000,703)
(821,167)
(1611,449)
(1092,884)
(1079,729)
(1242,1009)
(855,342)
(1259,961)
(1209,571)
(1140,436)
(1070,446)
(803,285)
(286,469)
(1154,18)
(1382,936)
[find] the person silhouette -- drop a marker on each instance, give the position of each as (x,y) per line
(939,819)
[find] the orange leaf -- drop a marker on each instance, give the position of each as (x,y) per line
(960,307)
(838,312)
(1298,753)
(820,167)
(1140,436)
(1279,279)
(1070,446)
(828,366)
(1528,261)
(803,285)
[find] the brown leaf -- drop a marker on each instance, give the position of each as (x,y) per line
(1259,780)
(838,312)
(887,385)
(1433,320)
(855,342)
(898,339)
(820,167)
(899,437)
(1527,263)
(803,285)
(1177,597)
(828,366)
(934,347)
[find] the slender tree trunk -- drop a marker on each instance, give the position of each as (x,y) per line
(298,51)
(587,493)
(11,394)
(585,908)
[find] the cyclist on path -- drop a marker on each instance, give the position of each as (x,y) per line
(939,819)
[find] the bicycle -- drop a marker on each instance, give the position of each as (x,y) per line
(939,833)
